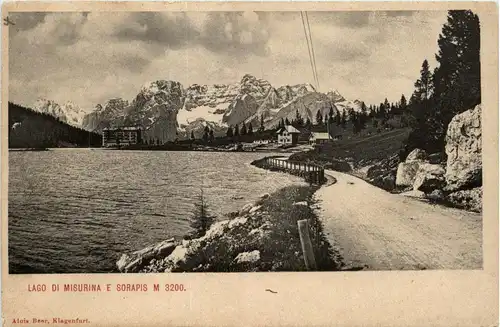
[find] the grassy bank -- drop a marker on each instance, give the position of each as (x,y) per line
(266,230)
(373,158)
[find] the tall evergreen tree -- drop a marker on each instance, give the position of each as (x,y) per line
(456,82)
(330,115)
(206,133)
(319,118)
(403,103)
(299,121)
(230,132)
(424,85)
(211,136)
(192,135)
(343,120)
(243,129)
(201,219)
(250,129)
(363,117)
(287,122)
(457,79)
(236,130)
(261,127)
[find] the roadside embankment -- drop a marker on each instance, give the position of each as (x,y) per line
(262,236)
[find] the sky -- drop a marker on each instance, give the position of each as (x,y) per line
(90,57)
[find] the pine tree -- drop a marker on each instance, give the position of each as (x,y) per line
(299,121)
(381,111)
(243,129)
(326,119)
(403,103)
(424,85)
(236,130)
(338,119)
(458,77)
(319,118)
(330,115)
(287,122)
(261,127)
(211,136)
(201,219)
(282,123)
(387,106)
(206,133)
(230,132)
(363,117)
(192,135)
(455,84)
(343,120)
(250,129)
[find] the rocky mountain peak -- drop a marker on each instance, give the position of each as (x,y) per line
(68,112)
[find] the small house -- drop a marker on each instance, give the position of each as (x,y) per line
(288,135)
(319,138)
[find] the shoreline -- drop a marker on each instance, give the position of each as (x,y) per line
(261,236)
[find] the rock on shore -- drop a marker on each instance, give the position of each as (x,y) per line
(235,241)
(459,180)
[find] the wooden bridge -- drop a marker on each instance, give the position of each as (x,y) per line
(311,173)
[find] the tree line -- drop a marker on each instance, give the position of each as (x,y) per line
(31,129)
(450,88)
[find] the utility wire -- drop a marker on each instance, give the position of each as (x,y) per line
(309,49)
(312,50)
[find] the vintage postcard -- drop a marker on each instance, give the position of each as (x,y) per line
(255,164)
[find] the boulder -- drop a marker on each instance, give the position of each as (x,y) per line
(463,149)
(468,199)
(245,257)
(139,259)
(429,177)
(436,195)
(417,155)
(406,173)
(388,182)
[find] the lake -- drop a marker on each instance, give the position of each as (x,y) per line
(78,210)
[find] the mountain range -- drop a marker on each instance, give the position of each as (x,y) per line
(167,110)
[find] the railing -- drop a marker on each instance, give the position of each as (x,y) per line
(311,173)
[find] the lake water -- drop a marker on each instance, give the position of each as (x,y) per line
(77,210)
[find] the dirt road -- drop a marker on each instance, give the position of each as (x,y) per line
(376,230)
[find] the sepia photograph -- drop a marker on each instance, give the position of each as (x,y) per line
(244,141)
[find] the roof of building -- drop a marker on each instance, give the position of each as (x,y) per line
(289,128)
(129,128)
(320,136)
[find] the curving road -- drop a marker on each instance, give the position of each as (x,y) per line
(376,230)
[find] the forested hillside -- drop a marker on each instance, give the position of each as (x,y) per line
(31,129)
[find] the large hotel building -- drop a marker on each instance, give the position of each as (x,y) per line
(112,137)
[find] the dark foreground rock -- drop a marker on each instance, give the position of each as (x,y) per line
(468,199)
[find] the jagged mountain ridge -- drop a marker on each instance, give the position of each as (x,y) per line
(175,112)
(69,112)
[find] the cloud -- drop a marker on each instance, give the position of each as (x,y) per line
(88,58)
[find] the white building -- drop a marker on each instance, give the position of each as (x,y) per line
(288,135)
(112,137)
